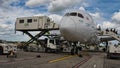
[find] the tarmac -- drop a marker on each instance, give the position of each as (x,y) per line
(60,60)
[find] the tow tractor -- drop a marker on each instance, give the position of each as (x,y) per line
(52,45)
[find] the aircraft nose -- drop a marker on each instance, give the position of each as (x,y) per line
(67,27)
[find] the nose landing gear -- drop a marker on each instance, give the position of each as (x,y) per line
(76,50)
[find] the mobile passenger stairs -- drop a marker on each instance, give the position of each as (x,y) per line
(112,35)
(108,35)
(112,50)
(41,24)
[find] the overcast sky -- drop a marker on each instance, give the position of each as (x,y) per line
(106,13)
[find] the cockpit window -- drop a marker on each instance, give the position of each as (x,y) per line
(73,14)
(67,14)
(80,15)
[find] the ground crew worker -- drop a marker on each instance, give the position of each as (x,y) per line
(114,30)
(111,30)
(11,53)
(107,30)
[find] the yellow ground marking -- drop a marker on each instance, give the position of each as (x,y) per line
(63,58)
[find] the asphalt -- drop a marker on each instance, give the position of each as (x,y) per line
(111,63)
(95,62)
(62,60)
(47,60)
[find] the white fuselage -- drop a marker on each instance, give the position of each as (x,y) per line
(78,26)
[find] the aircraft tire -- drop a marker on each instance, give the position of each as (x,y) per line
(72,52)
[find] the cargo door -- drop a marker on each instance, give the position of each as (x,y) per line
(40,22)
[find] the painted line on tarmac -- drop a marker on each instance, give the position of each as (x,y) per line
(62,58)
(81,63)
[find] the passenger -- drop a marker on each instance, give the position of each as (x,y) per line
(114,30)
(111,30)
(99,28)
(118,36)
(107,30)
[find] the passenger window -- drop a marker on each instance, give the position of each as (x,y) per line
(35,20)
(73,14)
(21,21)
(80,15)
(29,20)
(87,18)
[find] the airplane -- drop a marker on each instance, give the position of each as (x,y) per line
(78,25)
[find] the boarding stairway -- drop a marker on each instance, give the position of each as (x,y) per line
(109,33)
